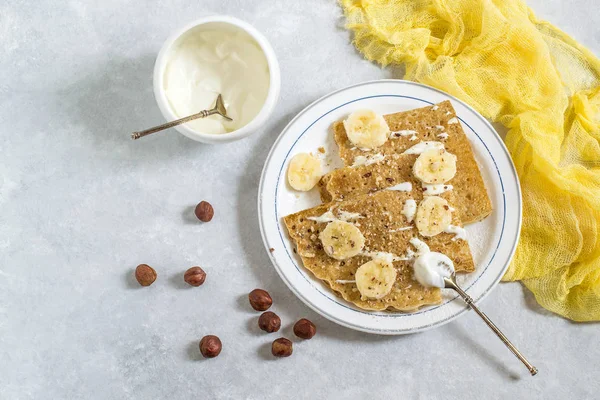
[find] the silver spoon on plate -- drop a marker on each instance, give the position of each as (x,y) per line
(437,270)
(450,283)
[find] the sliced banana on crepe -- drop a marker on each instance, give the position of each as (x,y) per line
(304,171)
(366,129)
(433,216)
(342,240)
(435,166)
(375,279)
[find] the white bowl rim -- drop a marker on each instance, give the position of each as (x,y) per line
(270,101)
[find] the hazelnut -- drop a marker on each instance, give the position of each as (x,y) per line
(204,211)
(260,299)
(269,322)
(210,346)
(281,347)
(195,276)
(145,274)
(305,329)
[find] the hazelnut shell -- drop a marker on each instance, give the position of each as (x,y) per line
(282,347)
(269,322)
(210,346)
(204,211)
(260,299)
(145,274)
(194,276)
(305,329)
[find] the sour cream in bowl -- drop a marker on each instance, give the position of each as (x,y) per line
(211,56)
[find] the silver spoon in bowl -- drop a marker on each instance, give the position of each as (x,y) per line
(219,109)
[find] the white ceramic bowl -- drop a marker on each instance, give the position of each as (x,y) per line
(268,106)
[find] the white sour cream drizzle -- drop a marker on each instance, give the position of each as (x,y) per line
(383,256)
(344,281)
(432,190)
(346,215)
(404,228)
(327,217)
(440,127)
(401,187)
(407,132)
(420,245)
(459,233)
(424,146)
(453,120)
(330,217)
(434,108)
(443,135)
(368,160)
(409,210)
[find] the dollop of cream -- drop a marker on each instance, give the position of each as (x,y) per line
(424,146)
(431,268)
(409,210)
(206,62)
(453,120)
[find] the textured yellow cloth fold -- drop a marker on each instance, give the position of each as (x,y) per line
(545,88)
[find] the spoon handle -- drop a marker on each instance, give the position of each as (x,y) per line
(533,370)
(201,114)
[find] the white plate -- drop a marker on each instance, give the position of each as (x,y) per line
(492,241)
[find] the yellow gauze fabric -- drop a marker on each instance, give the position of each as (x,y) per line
(545,88)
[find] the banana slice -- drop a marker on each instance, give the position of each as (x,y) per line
(375,279)
(304,171)
(342,240)
(433,216)
(366,129)
(435,166)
